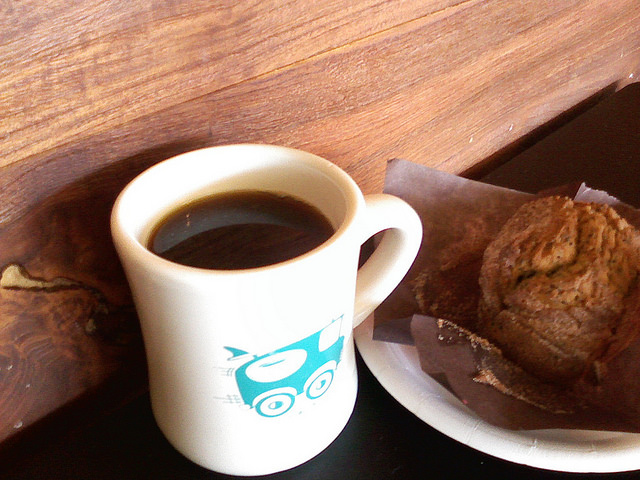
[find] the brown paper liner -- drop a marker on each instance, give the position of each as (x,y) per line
(460,217)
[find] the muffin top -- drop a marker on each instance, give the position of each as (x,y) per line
(555,284)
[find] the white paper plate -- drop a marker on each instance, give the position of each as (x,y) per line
(398,370)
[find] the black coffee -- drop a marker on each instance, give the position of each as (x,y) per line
(239,230)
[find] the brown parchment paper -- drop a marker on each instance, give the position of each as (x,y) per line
(460,217)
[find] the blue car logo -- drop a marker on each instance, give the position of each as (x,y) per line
(270,383)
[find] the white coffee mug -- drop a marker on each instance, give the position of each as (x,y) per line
(253,371)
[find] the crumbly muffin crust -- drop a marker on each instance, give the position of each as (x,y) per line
(554,287)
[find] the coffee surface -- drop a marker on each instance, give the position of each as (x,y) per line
(239,230)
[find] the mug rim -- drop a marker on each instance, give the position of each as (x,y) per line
(127,240)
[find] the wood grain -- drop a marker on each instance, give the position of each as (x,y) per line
(91,94)
(67,324)
(71,68)
(446,90)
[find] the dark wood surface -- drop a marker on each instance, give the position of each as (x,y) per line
(382,439)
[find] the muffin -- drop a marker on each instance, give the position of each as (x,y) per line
(555,286)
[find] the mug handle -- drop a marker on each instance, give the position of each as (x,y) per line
(392,258)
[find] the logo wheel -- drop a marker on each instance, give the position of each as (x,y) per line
(275,405)
(320,384)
